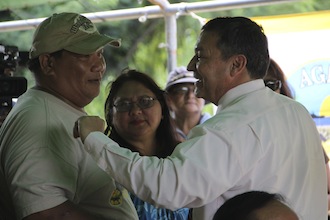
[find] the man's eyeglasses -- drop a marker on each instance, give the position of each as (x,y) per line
(273,84)
(182,90)
(143,102)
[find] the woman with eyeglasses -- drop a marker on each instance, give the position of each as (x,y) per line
(275,79)
(138,118)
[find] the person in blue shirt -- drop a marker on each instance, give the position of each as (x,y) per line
(138,118)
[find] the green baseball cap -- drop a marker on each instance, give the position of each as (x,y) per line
(69,31)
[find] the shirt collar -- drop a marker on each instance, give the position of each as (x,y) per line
(238,91)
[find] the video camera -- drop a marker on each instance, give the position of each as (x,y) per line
(10,87)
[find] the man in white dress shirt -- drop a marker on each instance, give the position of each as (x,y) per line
(257,140)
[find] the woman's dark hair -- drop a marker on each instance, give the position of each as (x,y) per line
(240,35)
(243,206)
(165,133)
(275,71)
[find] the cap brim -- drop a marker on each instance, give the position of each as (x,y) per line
(92,44)
(179,81)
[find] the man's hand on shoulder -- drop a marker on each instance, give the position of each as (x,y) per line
(87,124)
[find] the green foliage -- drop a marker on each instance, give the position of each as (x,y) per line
(145,58)
(14,4)
(188,31)
(209,108)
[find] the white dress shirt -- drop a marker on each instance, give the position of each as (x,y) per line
(258,140)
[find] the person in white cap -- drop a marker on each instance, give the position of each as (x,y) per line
(44,171)
(186,108)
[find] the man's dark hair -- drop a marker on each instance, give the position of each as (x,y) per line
(240,35)
(243,206)
(34,64)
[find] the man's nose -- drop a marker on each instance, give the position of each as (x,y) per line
(192,64)
(99,64)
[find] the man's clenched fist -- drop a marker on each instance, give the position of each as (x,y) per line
(87,124)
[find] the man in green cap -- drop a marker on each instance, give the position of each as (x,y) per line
(44,171)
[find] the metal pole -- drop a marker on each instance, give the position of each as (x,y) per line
(149,11)
(171,32)
(171,37)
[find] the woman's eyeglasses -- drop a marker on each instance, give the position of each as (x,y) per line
(273,84)
(143,102)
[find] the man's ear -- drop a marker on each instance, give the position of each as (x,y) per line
(46,63)
(238,64)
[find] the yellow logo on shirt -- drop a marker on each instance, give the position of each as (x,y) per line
(116,197)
